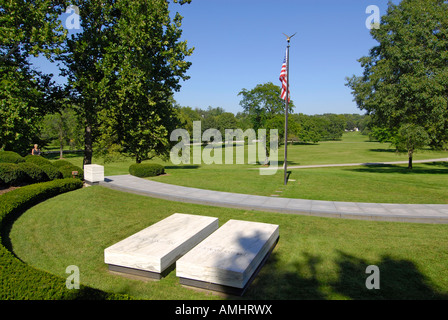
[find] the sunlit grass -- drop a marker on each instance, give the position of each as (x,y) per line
(316,258)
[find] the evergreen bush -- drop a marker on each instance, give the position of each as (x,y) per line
(143,170)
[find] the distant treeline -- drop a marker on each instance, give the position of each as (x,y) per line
(301,127)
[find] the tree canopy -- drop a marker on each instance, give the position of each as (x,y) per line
(405,79)
(122,69)
(27,28)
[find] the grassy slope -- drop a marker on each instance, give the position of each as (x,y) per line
(316,258)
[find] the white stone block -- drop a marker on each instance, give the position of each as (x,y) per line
(229,258)
(93,173)
(154,249)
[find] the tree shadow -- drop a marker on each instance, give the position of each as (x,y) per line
(195,166)
(391,168)
(279,283)
(399,279)
(66,155)
(384,150)
(298,143)
(437,163)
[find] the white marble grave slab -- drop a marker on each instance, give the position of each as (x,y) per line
(157,247)
(228,258)
(93,173)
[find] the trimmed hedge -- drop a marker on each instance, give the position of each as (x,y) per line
(19,280)
(10,157)
(67,170)
(61,163)
(143,170)
(32,172)
(39,160)
(52,172)
(11,174)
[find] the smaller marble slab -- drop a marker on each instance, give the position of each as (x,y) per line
(93,173)
(230,258)
(152,251)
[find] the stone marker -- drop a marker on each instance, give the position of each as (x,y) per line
(93,173)
(229,259)
(152,252)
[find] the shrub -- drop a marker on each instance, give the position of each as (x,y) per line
(39,160)
(32,172)
(52,172)
(61,163)
(143,170)
(11,174)
(67,170)
(21,281)
(10,157)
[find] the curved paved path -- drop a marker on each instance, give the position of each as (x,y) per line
(421,213)
(368,163)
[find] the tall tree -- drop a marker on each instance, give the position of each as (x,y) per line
(264,107)
(125,66)
(27,28)
(263,103)
(405,79)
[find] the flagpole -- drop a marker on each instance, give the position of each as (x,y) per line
(285,164)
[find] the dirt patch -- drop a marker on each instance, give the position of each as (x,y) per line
(2,191)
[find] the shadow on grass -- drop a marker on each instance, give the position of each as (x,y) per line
(183,167)
(384,150)
(67,155)
(399,280)
(422,168)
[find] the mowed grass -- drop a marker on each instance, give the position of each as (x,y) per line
(426,183)
(315,258)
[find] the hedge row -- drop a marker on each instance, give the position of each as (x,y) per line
(144,170)
(19,280)
(16,170)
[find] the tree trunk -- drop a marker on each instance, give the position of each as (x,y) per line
(88,149)
(410,152)
(61,150)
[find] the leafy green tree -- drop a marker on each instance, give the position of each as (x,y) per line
(263,103)
(410,138)
(186,117)
(333,126)
(405,79)
(62,126)
(264,107)
(225,121)
(123,69)
(306,128)
(27,28)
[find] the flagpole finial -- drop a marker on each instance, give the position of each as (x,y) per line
(288,38)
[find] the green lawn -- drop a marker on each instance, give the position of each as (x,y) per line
(316,258)
(426,183)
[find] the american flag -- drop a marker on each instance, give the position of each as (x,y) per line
(284,79)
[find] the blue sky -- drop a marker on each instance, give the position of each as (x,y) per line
(240,43)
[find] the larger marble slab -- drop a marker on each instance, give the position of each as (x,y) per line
(228,259)
(155,249)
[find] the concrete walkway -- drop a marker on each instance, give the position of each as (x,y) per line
(368,163)
(421,213)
